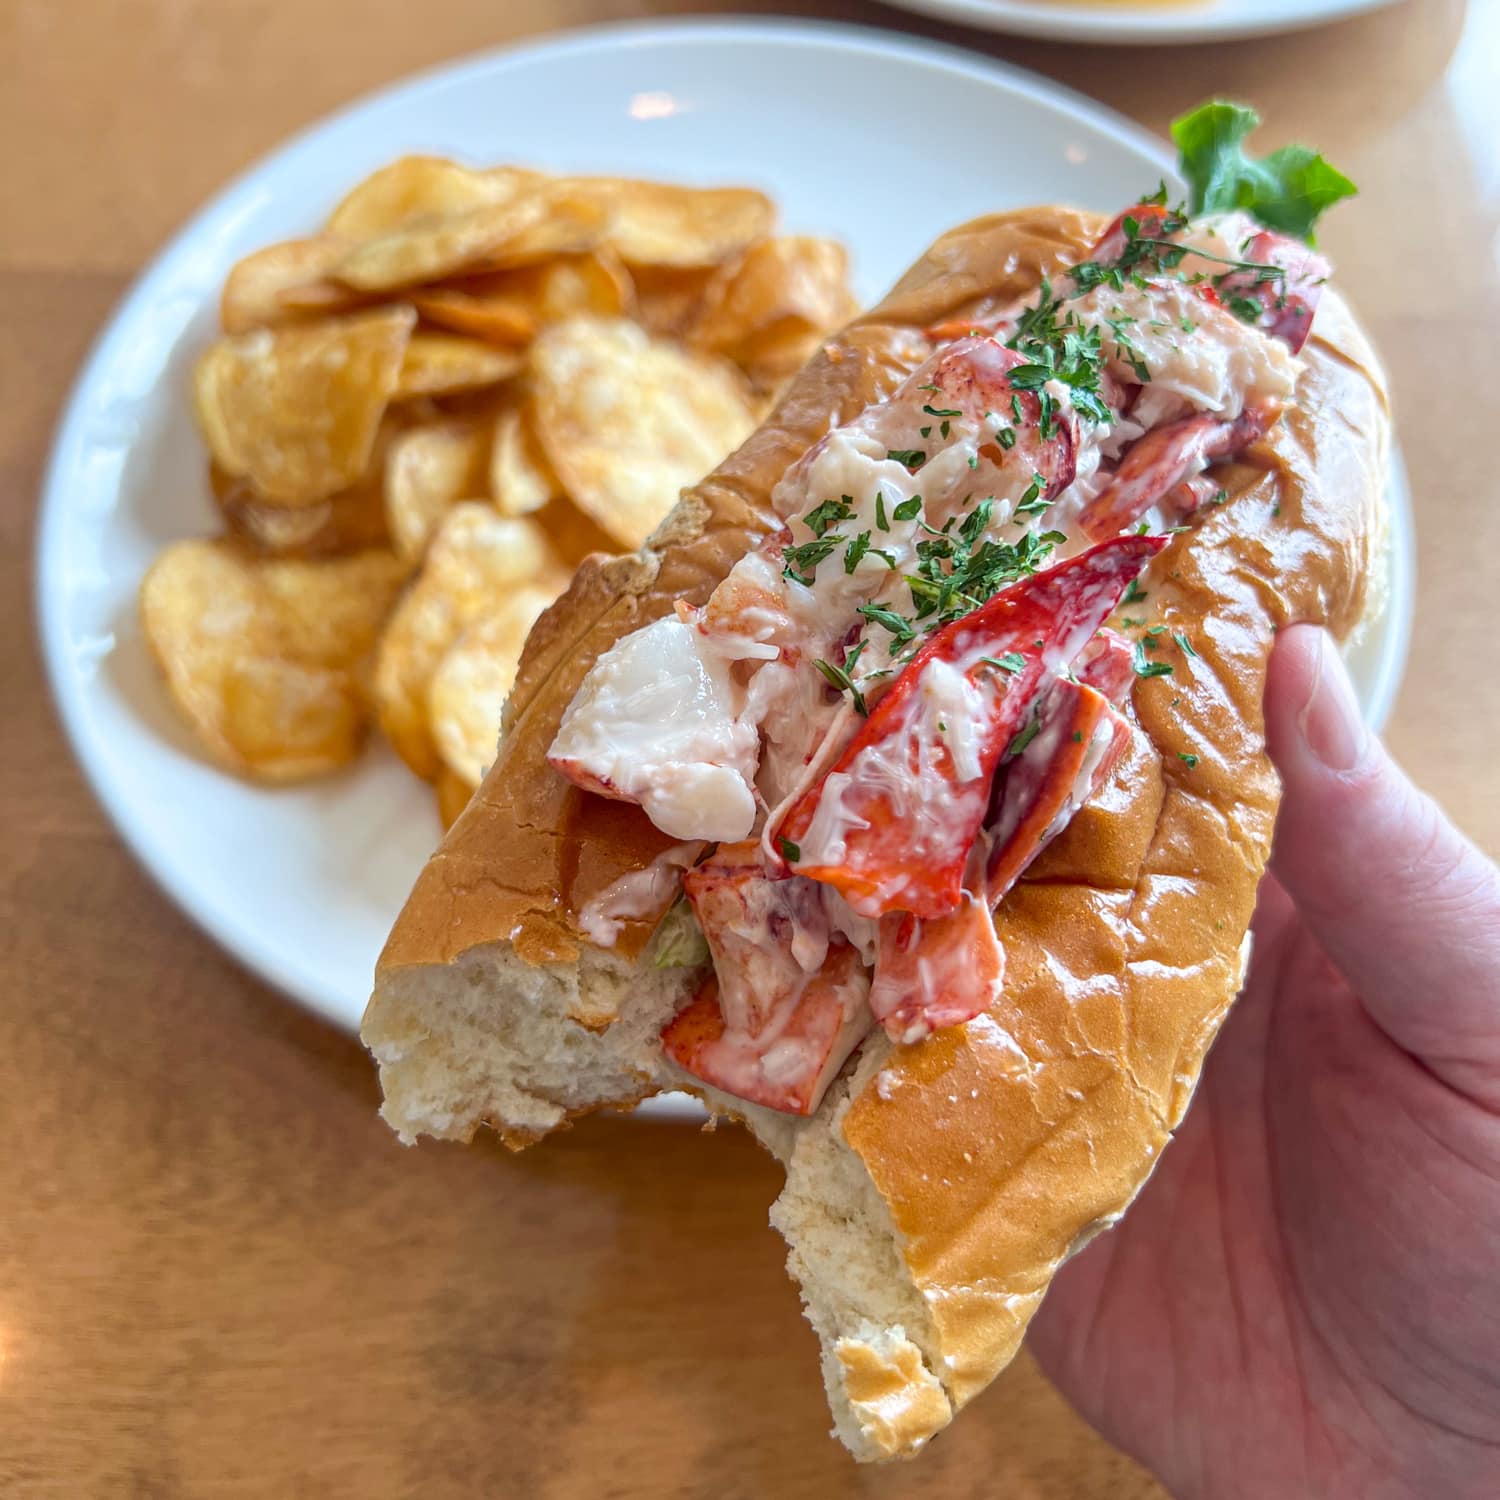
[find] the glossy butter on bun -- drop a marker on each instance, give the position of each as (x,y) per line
(938,1187)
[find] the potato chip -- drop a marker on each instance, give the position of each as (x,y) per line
(477,560)
(284,283)
(453,795)
(509,306)
(471,682)
(664,224)
(498,319)
(668,299)
(263,655)
(439,364)
(521,479)
(627,421)
(295,410)
(573,534)
(532,225)
(769,312)
(416,187)
(347,522)
(428,471)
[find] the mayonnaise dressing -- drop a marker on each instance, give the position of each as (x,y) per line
(636,894)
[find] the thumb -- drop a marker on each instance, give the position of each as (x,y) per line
(1405,906)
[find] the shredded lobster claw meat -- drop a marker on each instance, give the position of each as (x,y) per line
(768,936)
(1107,664)
(890,825)
(1081,737)
(789,1064)
(1158,464)
(1288,301)
(932,972)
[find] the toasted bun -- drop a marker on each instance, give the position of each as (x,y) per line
(939,1187)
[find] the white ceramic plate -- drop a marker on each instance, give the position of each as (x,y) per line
(1114,21)
(301,884)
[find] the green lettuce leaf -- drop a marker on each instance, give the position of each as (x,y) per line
(1287,190)
(679,942)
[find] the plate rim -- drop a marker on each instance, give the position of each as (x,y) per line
(1083,23)
(71,428)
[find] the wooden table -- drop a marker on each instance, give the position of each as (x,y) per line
(219,1275)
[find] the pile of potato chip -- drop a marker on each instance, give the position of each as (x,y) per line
(422,417)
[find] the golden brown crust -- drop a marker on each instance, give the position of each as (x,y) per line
(1001,1145)
(896,1402)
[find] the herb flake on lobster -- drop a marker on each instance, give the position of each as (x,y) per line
(891,824)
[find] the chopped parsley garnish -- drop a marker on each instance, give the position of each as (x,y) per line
(1011,662)
(976,521)
(908,510)
(1246,309)
(1144,668)
(1033,501)
(1006,437)
(1128,350)
(898,625)
(1057,346)
(1025,737)
(790,852)
(880,516)
(839,676)
(800,561)
(828,514)
(1190,761)
(1183,643)
(958,571)
(859,547)
(912,458)
(1077,736)
(1134,594)
(938,411)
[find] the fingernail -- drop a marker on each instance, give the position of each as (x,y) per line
(1331,723)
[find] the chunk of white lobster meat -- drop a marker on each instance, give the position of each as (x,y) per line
(790,1062)
(655,722)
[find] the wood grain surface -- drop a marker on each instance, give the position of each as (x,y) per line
(219,1275)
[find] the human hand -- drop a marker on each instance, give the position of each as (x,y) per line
(1305,1300)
